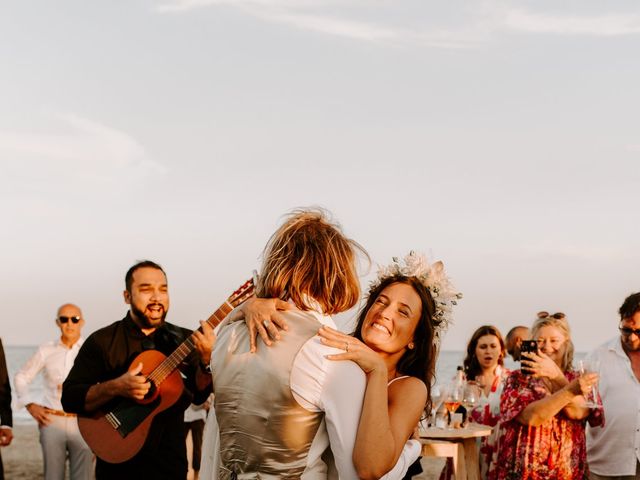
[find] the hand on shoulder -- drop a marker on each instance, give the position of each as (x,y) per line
(354,349)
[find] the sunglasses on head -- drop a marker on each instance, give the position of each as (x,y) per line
(63,319)
(626,331)
(557,316)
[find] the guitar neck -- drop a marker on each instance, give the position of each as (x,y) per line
(170,363)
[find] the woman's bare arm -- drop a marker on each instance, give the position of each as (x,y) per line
(389,414)
(263,318)
(388,420)
(540,411)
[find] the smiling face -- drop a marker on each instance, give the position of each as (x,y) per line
(488,352)
(552,341)
(148,298)
(391,321)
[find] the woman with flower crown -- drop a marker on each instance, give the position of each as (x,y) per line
(395,343)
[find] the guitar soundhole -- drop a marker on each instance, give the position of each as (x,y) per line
(151,394)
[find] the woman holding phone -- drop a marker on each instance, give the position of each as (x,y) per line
(543,410)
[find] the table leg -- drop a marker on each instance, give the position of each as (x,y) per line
(460,468)
(472,459)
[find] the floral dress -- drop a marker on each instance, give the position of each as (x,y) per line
(553,450)
(487,412)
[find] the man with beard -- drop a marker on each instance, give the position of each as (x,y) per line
(102,374)
(613,451)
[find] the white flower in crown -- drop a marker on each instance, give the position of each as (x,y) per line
(434,278)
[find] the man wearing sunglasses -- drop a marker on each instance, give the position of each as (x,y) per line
(613,452)
(59,434)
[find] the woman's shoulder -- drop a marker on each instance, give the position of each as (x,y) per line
(406,385)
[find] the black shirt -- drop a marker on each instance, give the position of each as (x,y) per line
(107,354)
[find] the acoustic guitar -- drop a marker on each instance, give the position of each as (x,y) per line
(117,435)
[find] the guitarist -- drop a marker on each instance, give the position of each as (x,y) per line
(102,375)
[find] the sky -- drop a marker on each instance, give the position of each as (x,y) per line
(500,137)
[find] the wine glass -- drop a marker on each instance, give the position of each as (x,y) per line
(590,366)
(438,394)
(453,399)
(471,396)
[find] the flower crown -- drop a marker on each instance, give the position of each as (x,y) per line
(435,280)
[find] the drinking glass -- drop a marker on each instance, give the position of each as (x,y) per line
(438,393)
(590,366)
(471,396)
(453,399)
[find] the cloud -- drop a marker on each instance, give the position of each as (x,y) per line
(606,25)
(312,15)
(369,31)
(85,147)
(473,25)
(176,6)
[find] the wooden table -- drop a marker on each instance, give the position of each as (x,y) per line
(459,444)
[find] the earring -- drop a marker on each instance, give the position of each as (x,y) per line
(410,346)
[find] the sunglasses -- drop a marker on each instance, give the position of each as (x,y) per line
(63,319)
(626,331)
(557,316)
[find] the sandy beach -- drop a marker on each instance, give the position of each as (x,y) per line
(23,458)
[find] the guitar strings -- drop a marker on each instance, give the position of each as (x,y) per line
(172,361)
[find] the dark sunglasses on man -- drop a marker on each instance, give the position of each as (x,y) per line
(63,319)
(626,331)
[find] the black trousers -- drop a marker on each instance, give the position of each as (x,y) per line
(196,427)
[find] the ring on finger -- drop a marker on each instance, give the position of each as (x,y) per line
(346,346)
(266,323)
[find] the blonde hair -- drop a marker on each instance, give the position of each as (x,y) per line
(308,258)
(558,321)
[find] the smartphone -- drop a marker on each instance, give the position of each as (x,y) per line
(527,346)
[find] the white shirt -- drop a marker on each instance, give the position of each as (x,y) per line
(195,412)
(337,389)
(55,360)
(614,449)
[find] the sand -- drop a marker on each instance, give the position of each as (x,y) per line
(23,458)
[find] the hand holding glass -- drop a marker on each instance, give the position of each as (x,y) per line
(590,366)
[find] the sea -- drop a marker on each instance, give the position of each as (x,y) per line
(446,366)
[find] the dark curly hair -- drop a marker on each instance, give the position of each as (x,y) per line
(471,365)
(630,306)
(419,361)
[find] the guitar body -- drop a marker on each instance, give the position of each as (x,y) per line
(105,440)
